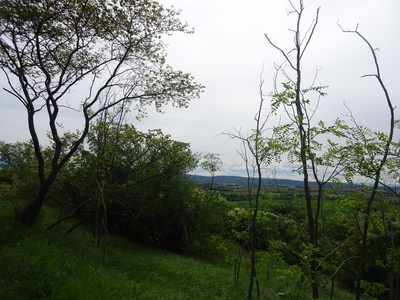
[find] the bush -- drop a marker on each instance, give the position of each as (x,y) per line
(180,217)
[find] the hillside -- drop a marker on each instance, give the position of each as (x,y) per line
(41,264)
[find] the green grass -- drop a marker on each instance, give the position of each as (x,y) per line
(38,264)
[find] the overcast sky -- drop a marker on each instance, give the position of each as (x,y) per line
(228,51)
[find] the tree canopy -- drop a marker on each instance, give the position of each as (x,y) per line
(86,56)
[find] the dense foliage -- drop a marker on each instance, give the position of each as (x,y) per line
(126,182)
(81,58)
(149,197)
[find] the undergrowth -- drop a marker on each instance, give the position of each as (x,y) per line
(40,264)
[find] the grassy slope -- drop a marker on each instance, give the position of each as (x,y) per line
(37,264)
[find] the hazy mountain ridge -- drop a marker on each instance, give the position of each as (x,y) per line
(238,180)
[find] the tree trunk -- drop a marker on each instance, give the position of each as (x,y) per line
(29,214)
(364,245)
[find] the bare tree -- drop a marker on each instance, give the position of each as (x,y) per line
(254,152)
(293,98)
(372,166)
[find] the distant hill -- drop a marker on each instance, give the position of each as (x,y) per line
(238,180)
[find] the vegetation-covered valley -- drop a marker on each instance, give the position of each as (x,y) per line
(49,262)
(186,240)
